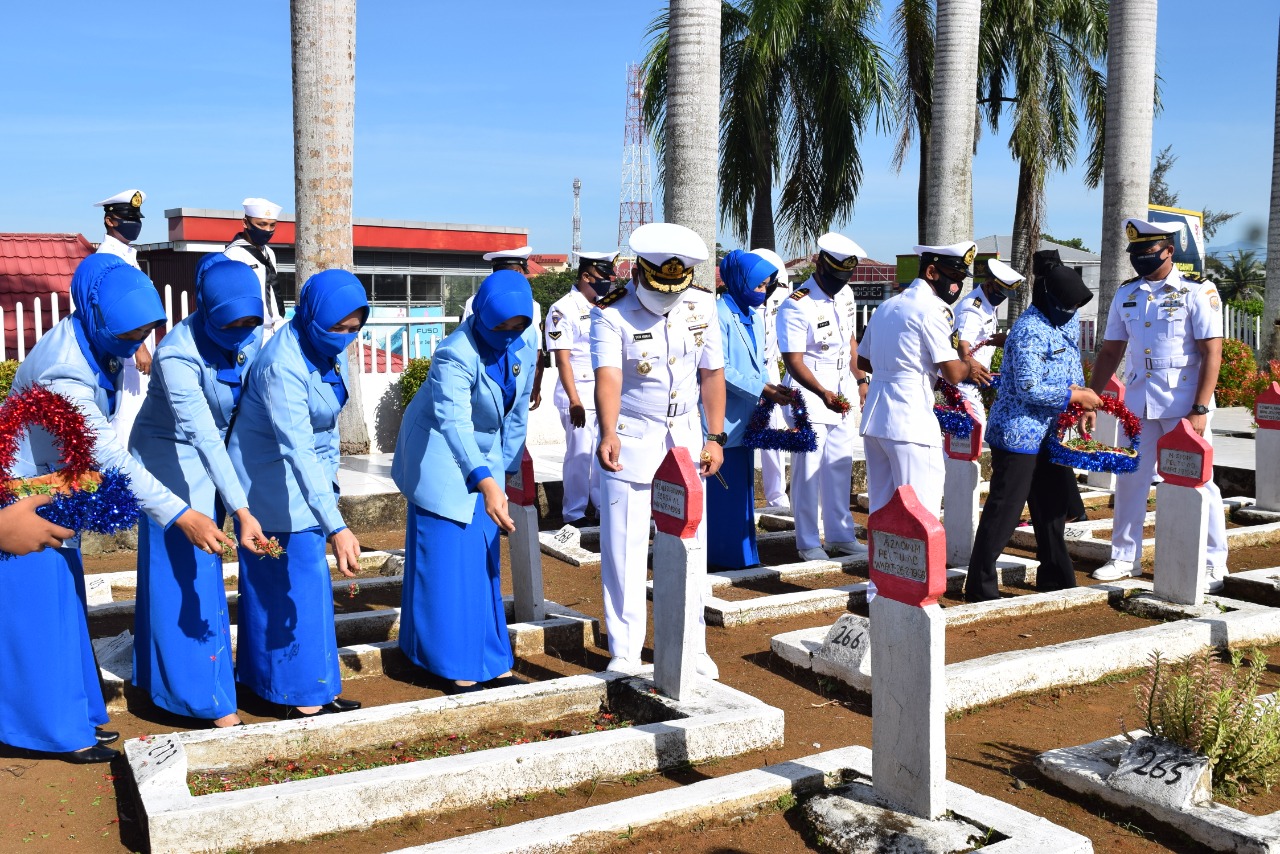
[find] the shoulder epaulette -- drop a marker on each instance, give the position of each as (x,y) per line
(611,297)
(698,287)
(977,302)
(799,294)
(1192,276)
(1130,281)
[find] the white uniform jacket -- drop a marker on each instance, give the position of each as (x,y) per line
(569,328)
(811,322)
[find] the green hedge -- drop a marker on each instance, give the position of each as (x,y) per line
(7,370)
(415,374)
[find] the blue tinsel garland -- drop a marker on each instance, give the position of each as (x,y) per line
(110,508)
(954,421)
(1104,461)
(799,440)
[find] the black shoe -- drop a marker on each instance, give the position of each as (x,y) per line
(504,681)
(583,522)
(105,736)
(97,753)
(338,704)
(453,688)
(292,712)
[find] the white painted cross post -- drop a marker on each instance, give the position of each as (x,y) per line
(679,570)
(908,691)
(1107,431)
(1185,462)
(1266,412)
(526,551)
(960,490)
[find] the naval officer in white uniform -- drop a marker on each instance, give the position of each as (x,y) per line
(569,340)
(816,336)
(1170,327)
(657,352)
(122,218)
(907,344)
(518,259)
(250,247)
(976,324)
(773,464)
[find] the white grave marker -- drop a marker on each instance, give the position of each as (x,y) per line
(1107,431)
(847,643)
(679,572)
(1158,770)
(529,606)
(1266,412)
(962,474)
(1185,461)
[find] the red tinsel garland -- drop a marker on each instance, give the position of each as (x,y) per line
(1129,423)
(39,407)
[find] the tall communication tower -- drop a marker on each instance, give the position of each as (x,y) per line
(635,204)
(577,222)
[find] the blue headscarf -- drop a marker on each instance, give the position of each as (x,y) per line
(111,298)
(226,291)
(326,298)
(743,272)
(502,296)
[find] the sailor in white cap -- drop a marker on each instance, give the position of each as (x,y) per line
(907,344)
(773,464)
(657,351)
(1170,326)
(816,336)
(122,218)
(518,259)
(250,246)
(976,323)
(569,340)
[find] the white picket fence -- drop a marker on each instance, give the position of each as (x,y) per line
(1244,327)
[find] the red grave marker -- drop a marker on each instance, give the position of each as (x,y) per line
(1184,458)
(1113,388)
(908,550)
(1266,411)
(676,499)
(969,448)
(521,487)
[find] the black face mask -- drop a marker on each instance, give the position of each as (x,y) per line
(258,236)
(129,229)
(1146,265)
(943,288)
(996,295)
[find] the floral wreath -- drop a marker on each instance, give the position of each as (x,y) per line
(798,440)
(951,413)
(1084,452)
(83,499)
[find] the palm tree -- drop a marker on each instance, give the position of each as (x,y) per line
(1131,85)
(1042,58)
(801,80)
(913,34)
(1241,279)
(324,98)
(1271,296)
(949,181)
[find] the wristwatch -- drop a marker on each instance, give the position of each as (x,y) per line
(719,438)
(1199,409)
(864,381)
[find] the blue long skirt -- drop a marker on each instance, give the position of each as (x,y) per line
(286,649)
(731,513)
(452,622)
(50,697)
(182,643)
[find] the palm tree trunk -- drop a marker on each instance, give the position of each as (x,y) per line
(922,187)
(1126,180)
(693,121)
(1271,293)
(949,181)
(762,231)
(1028,213)
(324,102)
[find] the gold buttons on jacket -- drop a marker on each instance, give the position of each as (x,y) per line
(671,361)
(674,395)
(644,367)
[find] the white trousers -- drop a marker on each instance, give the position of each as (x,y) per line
(891,464)
(624,566)
(821,480)
(1131,498)
(773,466)
(581,476)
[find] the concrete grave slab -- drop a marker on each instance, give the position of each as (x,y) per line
(713,721)
(1261,586)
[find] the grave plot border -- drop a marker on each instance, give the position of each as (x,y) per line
(1086,768)
(1000,676)
(713,721)
(745,794)
(1260,586)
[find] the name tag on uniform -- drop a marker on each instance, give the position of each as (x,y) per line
(642,336)
(824,323)
(584,317)
(1129,305)
(1060,350)
(697,327)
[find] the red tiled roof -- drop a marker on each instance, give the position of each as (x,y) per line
(545,259)
(36,265)
(535,269)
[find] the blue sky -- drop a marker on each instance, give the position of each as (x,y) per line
(484,112)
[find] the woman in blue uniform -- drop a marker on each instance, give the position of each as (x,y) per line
(52,700)
(731,511)
(461,434)
(284,447)
(182,634)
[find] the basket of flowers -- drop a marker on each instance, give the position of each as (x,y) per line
(798,439)
(83,498)
(1082,451)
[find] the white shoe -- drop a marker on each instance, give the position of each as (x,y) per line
(629,666)
(814,554)
(706,667)
(853,549)
(1114,570)
(1214,579)
(781,507)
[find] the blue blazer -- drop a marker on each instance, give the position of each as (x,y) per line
(455,425)
(284,444)
(744,369)
(180,431)
(58,363)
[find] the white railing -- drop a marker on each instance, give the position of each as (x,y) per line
(48,306)
(396,340)
(1242,326)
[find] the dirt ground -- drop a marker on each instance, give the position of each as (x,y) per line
(51,806)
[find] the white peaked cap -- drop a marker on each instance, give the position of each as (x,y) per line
(955,250)
(840,247)
(520,253)
(261,209)
(1004,272)
(1139,230)
(597,256)
(659,242)
(784,278)
(124,197)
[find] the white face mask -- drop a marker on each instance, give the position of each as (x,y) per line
(658,302)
